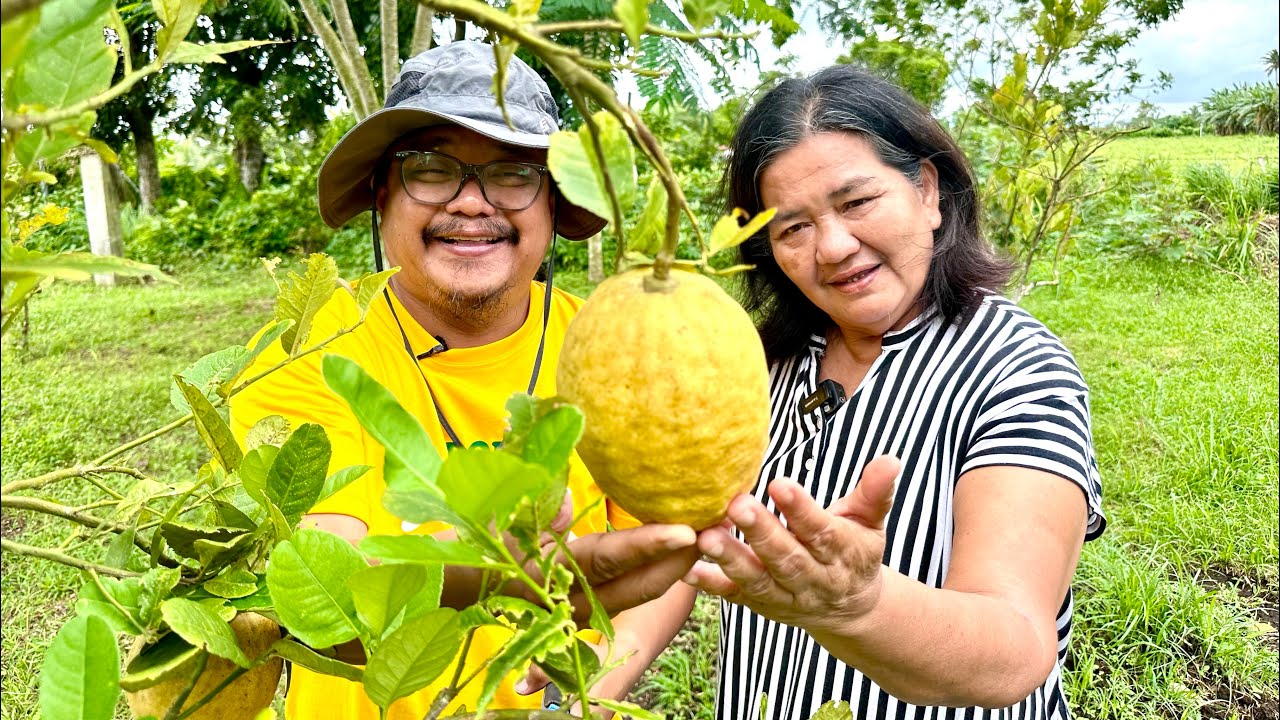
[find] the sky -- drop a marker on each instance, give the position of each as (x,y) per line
(1208,45)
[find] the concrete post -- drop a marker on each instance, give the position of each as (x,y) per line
(101,211)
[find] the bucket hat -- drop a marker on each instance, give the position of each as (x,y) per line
(448,84)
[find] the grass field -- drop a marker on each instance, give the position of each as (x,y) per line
(1176,607)
(1237,152)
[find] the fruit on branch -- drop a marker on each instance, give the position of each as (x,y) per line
(672,379)
(243,699)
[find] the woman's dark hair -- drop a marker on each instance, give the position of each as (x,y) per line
(902,132)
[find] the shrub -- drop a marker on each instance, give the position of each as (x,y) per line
(1241,109)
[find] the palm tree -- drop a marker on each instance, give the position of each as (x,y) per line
(1272,61)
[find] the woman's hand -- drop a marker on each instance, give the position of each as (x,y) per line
(821,571)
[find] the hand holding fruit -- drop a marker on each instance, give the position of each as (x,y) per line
(821,571)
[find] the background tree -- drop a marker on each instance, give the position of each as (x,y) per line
(131,117)
(284,86)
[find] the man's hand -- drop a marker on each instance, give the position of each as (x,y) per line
(630,567)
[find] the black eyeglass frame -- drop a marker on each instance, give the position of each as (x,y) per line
(470,171)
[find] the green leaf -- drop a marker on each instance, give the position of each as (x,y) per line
(298,473)
(426,549)
(651,229)
(577,170)
(76,266)
(306,657)
(200,53)
(157,586)
(209,373)
(411,461)
(627,709)
(234,582)
(178,16)
(271,430)
(121,546)
(203,627)
(270,334)
(369,287)
(702,13)
(126,593)
(730,230)
(182,536)
(634,15)
(67,58)
(834,710)
(80,678)
(482,485)
(552,438)
(413,656)
(259,601)
(168,658)
(254,469)
(547,634)
(214,554)
(308,581)
(522,410)
(302,296)
(13,40)
(381,592)
(341,479)
(428,598)
(562,667)
(213,430)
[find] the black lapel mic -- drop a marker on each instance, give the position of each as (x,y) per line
(440,347)
(827,397)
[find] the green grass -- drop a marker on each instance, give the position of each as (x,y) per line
(1176,605)
(94,372)
(1238,152)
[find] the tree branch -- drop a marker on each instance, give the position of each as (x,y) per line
(614,26)
(63,558)
(422,37)
(337,52)
(66,473)
(390,45)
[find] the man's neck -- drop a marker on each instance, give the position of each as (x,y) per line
(469,328)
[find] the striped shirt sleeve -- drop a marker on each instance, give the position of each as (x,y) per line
(1037,416)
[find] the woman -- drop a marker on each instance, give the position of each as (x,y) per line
(910,549)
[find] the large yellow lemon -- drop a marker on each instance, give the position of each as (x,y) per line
(243,699)
(672,379)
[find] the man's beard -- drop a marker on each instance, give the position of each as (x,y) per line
(477,310)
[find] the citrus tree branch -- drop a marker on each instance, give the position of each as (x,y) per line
(614,26)
(21,121)
(63,558)
(67,473)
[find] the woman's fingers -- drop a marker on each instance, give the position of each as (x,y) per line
(871,499)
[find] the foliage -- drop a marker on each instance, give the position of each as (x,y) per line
(1243,109)
(919,68)
(57,71)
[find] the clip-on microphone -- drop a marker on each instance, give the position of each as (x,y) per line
(828,397)
(440,347)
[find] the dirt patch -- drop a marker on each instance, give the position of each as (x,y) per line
(12,525)
(1261,594)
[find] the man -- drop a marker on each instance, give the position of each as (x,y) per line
(467,210)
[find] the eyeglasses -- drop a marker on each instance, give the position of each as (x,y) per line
(435,179)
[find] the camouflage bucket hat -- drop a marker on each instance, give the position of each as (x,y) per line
(448,84)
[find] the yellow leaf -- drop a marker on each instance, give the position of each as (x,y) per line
(730,230)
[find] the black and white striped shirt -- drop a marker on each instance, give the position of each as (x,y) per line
(996,389)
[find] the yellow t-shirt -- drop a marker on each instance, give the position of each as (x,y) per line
(472,386)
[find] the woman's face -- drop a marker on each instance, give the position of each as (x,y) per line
(854,234)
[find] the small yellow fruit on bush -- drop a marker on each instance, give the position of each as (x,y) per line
(243,699)
(672,379)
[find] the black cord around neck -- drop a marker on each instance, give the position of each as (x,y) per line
(442,346)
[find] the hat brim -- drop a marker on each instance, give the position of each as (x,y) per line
(343,186)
